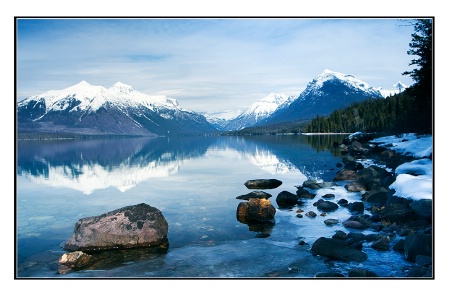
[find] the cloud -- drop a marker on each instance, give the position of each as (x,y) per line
(223,62)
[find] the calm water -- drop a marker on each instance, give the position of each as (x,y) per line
(194,181)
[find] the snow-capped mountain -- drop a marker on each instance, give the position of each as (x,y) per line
(120,110)
(258,111)
(220,119)
(396,89)
(329,91)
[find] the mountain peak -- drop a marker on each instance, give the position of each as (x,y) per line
(83,83)
(124,88)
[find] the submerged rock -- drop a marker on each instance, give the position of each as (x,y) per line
(302,193)
(316,185)
(358,272)
(133,226)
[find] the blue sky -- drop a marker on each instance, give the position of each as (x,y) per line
(208,64)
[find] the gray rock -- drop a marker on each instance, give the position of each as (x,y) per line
(73,261)
(286,199)
(355,187)
(316,185)
(340,235)
(424,260)
(381,244)
(255,194)
(329,196)
(128,227)
(358,272)
(337,249)
(345,174)
(417,244)
(354,225)
(330,222)
(397,213)
(328,275)
(326,206)
(302,193)
(311,214)
(379,197)
(423,208)
(355,206)
(263,183)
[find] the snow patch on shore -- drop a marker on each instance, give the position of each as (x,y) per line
(414,180)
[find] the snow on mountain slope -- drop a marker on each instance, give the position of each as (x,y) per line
(84,108)
(396,89)
(327,92)
(259,111)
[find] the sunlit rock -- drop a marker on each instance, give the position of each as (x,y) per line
(74,260)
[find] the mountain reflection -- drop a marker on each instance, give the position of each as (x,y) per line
(90,165)
(98,164)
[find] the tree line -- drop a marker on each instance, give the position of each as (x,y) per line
(410,111)
(393,114)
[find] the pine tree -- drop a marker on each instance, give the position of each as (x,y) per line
(421,46)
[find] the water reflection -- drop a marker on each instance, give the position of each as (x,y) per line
(90,165)
(98,164)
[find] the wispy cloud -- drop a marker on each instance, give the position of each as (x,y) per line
(208,64)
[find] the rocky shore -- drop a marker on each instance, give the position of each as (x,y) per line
(394,223)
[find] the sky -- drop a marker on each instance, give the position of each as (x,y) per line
(39,82)
(211,64)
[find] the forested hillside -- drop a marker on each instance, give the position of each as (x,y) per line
(393,114)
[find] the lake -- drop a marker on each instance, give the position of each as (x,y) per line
(194,181)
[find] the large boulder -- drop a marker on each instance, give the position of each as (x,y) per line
(263,184)
(337,249)
(133,226)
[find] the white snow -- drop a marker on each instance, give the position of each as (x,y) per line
(408,144)
(414,180)
(396,89)
(93,97)
(266,106)
(347,78)
(260,110)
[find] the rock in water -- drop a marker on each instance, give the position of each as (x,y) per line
(75,260)
(337,249)
(255,194)
(263,184)
(133,226)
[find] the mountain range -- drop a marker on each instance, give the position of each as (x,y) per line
(85,109)
(119,110)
